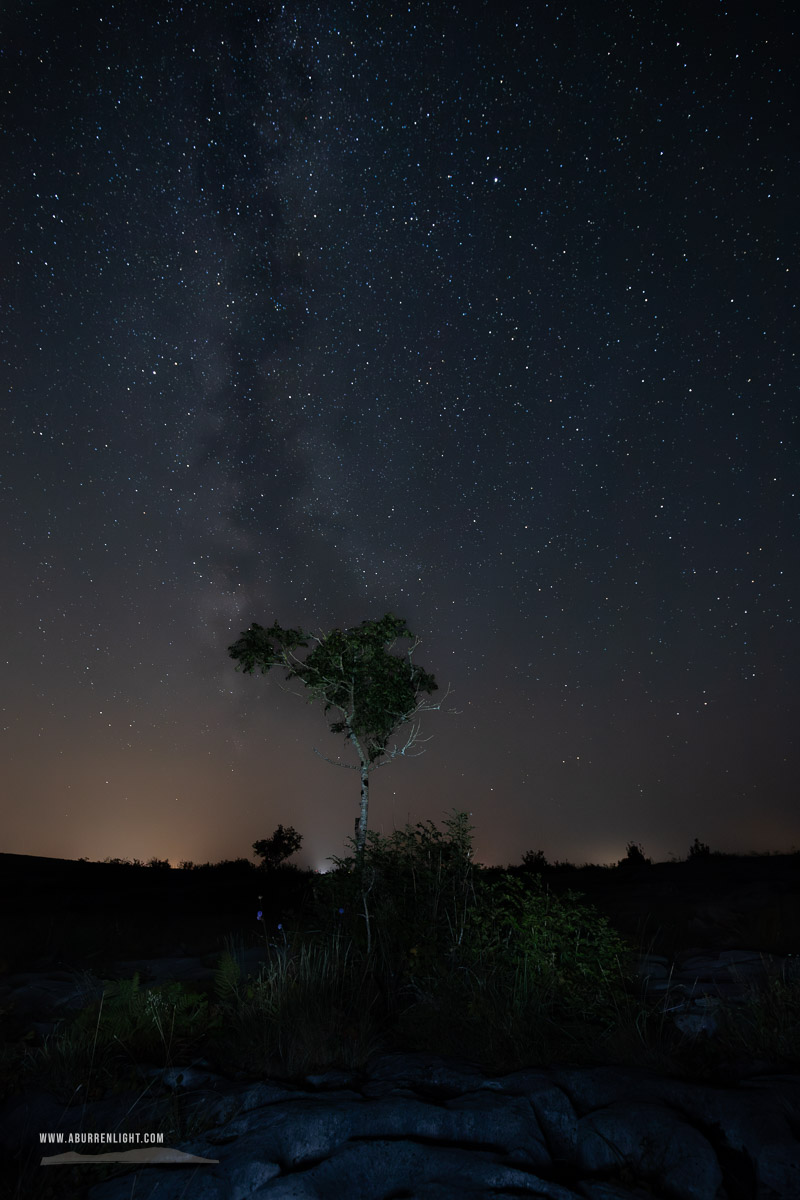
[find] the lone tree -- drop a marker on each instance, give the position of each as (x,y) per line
(354,672)
(273,851)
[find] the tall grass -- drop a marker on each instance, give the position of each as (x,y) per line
(314,1004)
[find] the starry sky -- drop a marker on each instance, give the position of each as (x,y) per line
(481,313)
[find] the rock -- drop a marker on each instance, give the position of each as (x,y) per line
(182,969)
(695,1023)
(655,1143)
(654,969)
(728,970)
(365,1171)
(440,1130)
(691,987)
(40,1000)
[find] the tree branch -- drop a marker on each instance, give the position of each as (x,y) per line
(334,763)
(289,692)
(430,706)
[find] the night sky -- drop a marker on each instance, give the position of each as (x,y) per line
(480,313)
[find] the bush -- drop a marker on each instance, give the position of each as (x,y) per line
(634,856)
(406,900)
(538,942)
(534,979)
(698,850)
(464,941)
(534,861)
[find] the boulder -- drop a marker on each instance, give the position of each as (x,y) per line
(420,1126)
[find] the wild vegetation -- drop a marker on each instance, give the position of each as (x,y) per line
(409,945)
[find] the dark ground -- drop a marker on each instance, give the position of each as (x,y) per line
(87,911)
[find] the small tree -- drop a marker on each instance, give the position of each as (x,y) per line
(354,672)
(635,856)
(276,849)
(535,861)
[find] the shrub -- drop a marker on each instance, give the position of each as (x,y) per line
(407,898)
(439,928)
(538,942)
(634,856)
(699,850)
(534,860)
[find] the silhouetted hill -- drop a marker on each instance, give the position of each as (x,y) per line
(69,908)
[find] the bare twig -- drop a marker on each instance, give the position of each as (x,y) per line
(334,762)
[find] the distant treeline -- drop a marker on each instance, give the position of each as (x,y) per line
(227,865)
(532,860)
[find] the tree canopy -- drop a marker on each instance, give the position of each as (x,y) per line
(274,850)
(373,691)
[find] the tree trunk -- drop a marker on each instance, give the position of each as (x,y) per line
(362,821)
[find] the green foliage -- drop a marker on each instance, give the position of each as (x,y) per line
(547,943)
(437,921)
(227,977)
(472,960)
(148,1021)
(408,896)
(281,845)
(353,671)
(99,1049)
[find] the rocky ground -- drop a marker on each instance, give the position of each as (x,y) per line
(421,1127)
(417,1126)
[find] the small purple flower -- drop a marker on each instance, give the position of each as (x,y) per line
(341,910)
(259,915)
(280,927)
